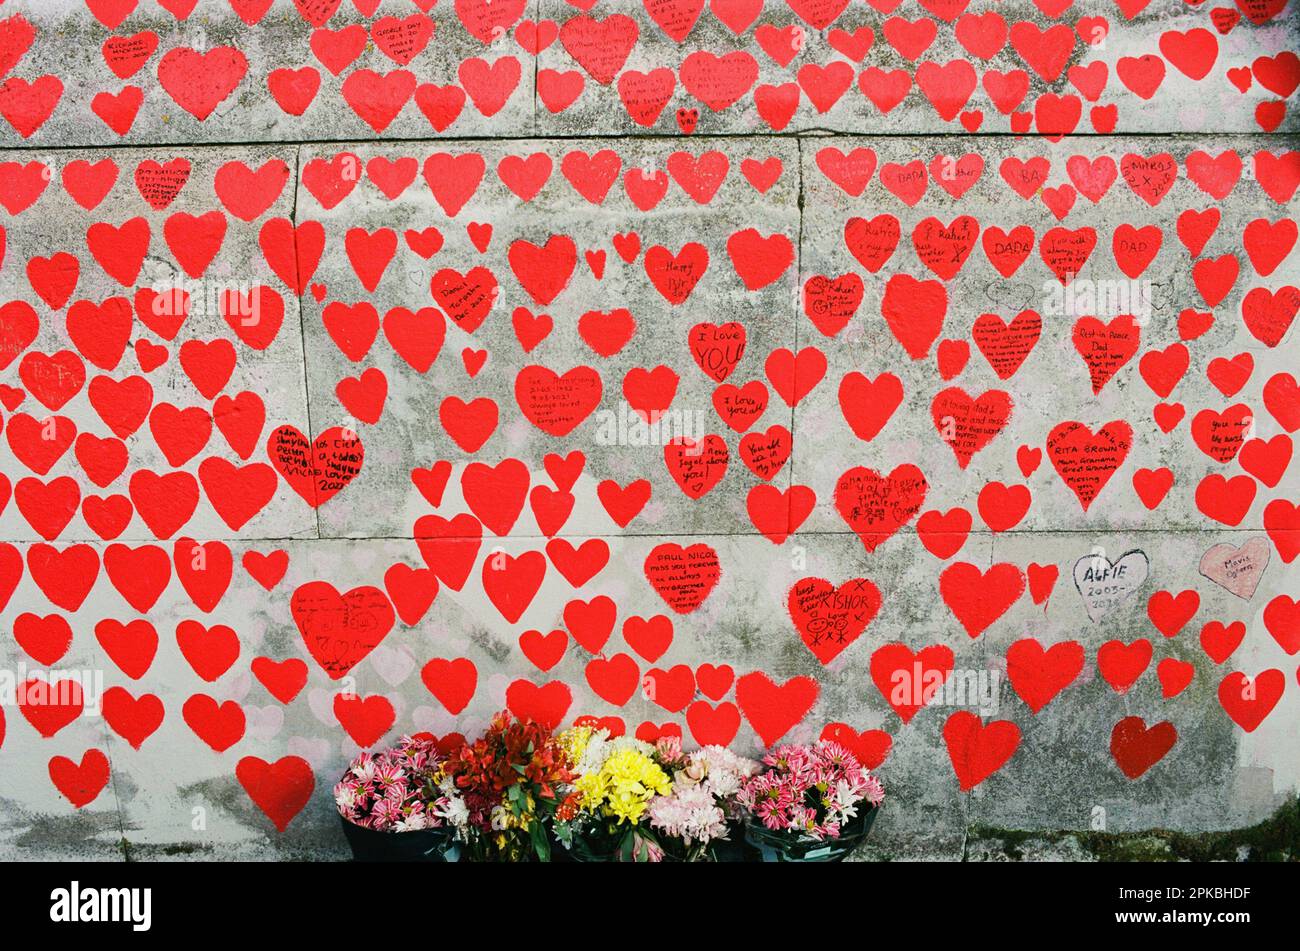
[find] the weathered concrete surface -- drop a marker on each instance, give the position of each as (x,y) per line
(469,407)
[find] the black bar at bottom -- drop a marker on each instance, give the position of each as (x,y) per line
(351,902)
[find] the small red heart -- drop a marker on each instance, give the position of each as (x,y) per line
(473,360)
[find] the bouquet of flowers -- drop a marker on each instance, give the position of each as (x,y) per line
(400,804)
(813,802)
(404,788)
(509,779)
(702,808)
(616,780)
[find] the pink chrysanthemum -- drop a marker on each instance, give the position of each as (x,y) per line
(810,790)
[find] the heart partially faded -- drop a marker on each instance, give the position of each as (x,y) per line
(1104,585)
(1237,568)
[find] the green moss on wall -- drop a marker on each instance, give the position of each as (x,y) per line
(1276,839)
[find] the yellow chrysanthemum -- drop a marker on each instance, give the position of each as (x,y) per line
(574,742)
(628,780)
(593,787)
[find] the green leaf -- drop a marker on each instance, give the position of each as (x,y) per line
(540,843)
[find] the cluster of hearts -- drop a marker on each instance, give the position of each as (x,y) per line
(557,403)
(683,575)
(201,80)
(340,629)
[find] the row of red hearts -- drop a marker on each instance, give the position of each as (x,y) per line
(167,502)
(976,749)
(142,574)
(1037,676)
(200,82)
(544,272)
(603,47)
(336,459)
(454,179)
(484,19)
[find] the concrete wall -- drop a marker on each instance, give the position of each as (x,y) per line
(469,303)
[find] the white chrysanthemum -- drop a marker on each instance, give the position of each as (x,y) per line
(845,799)
(602,746)
(451,807)
(455,813)
(412,823)
(721,770)
(722,783)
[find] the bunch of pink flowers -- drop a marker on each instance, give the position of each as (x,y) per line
(702,803)
(811,791)
(399,789)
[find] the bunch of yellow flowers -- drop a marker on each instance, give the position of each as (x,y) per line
(625,783)
(574,742)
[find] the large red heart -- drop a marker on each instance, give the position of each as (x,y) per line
(907,680)
(683,576)
(80,783)
(199,82)
(319,470)
(1037,674)
(49,705)
(557,403)
(773,709)
(219,725)
(877,506)
(915,312)
(1137,747)
(280,789)
(1249,700)
(968,424)
(544,271)
(365,719)
(675,275)
(546,704)
(133,719)
(830,618)
(340,630)
(511,582)
(978,750)
(978,598)
(1085,460)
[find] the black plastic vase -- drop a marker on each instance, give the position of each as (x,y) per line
(420,845)
(785,847)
